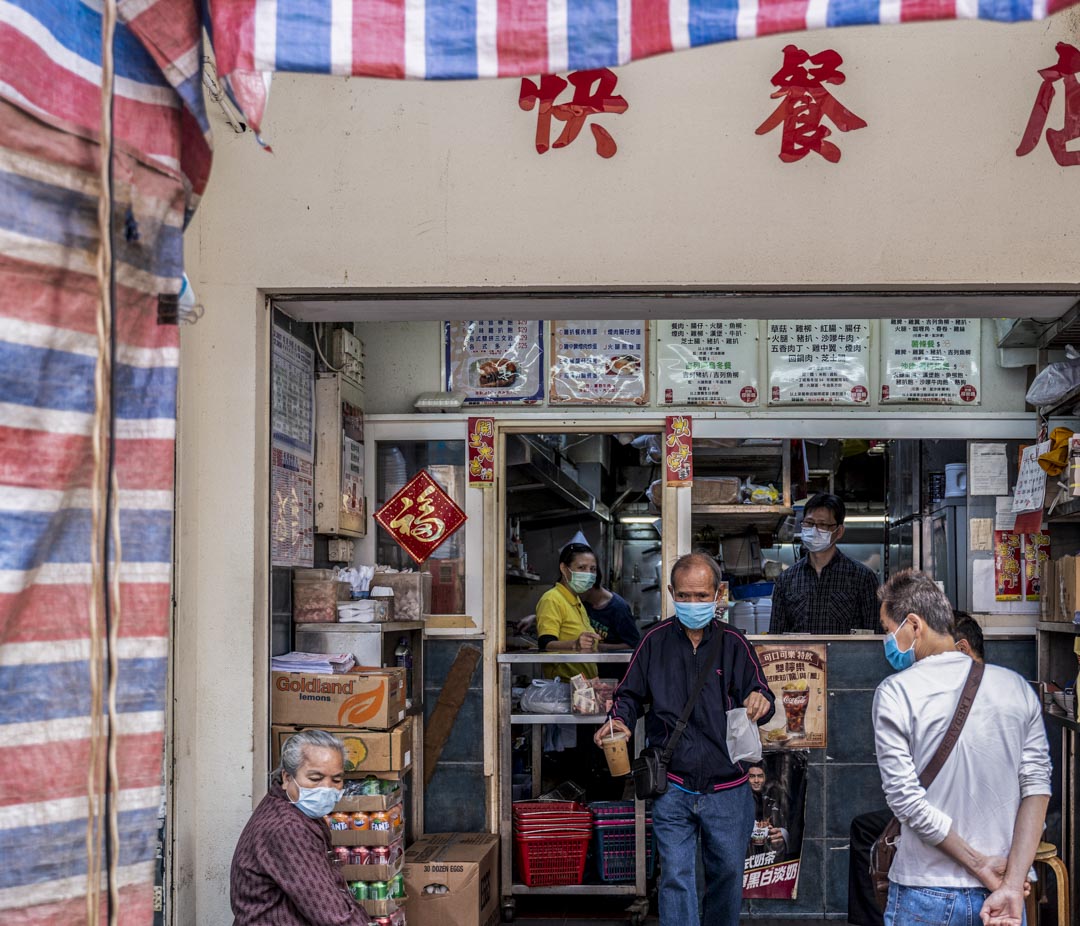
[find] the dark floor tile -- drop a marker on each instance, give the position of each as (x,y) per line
(1018,655)
(851,726)
(849,791)
(836,875)
(814,819)
(455,800)
(858,664)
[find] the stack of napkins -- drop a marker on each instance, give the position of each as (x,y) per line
(322,663)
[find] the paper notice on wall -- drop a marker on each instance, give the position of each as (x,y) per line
(352,477)
(495,361)
(292,394)
(1031,483)
(707,362)
(599,362)
(982,534)
(1004,516)
(988,469)
(292,510)
(930,361)
(819,363)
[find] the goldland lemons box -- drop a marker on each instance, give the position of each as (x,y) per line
(375,751)
(372,698)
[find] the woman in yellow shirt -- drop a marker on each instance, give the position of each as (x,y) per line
(562,624)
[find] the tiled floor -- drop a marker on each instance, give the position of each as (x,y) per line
(594,912)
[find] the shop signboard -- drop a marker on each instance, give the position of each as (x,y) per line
(420,517)
(495,361)
(707,362)
(796,674)
(679,450)
(481,452)
(931,361)
(774,856)
(599,362)
(292,509)
(819,363)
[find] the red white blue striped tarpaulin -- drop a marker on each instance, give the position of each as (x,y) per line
(466,39)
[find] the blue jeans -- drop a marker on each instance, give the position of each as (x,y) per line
(940,906)
(724,822)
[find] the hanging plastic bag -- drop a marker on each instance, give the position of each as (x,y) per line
(743,739)
(546,696)
(1054,383)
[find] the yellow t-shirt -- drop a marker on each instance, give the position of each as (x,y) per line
(560,614)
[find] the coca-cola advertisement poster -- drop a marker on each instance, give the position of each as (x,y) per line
(778,785)
(796,675)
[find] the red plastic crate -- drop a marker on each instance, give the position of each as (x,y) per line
(544,861)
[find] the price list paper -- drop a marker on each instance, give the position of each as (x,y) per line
(707,362)
(495,361)
(931,361)
(819,363)
(292,393)
(599,362)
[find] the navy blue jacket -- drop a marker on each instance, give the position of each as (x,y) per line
(663,670)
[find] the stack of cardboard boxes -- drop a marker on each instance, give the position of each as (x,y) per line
(1059,588)
(365,709)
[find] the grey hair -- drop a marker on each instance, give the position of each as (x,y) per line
(914,592)
(698,558)
(292,753)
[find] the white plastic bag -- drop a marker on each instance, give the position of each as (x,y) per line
(546,696)
(743,739)
(1053,383)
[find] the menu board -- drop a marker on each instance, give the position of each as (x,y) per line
(599,362)
(931,361)
(819,363)
(495,361)
(796,674)
(292,394)
(707,362)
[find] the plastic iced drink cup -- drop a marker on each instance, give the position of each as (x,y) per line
(618,758)
(795,703)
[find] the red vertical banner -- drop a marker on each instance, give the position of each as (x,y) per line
(1036,552)
(1008,563)
(678,450)
(481,452)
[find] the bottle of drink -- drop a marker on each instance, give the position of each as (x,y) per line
(403,659)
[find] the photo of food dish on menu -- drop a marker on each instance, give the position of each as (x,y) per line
(495,361)
(599,362)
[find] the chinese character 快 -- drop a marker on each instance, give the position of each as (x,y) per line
(585,102)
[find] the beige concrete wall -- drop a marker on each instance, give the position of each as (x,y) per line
(384,183)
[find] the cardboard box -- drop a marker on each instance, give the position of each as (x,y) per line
(363,697)
(742,555)
(372,872)
(715,490)
(1067,571)
(383,907)
(368,803)
(412,593)
(1048,591)
(467,864)
(366,751)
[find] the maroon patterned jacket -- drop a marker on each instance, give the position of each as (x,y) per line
(282,873)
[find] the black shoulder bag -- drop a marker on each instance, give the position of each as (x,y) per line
(883,852)
(650,768)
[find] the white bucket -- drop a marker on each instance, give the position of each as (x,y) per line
(955,480)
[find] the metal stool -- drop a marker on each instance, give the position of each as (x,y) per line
(1047,854)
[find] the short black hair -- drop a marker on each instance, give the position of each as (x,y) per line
(831,503)
(698,558)
(967,628)
(914,592)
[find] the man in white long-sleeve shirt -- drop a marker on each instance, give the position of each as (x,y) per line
(968,840)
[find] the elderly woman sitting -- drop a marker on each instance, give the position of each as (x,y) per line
(282,871)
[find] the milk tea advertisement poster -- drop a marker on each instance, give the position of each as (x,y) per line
(796,675)
(778,785)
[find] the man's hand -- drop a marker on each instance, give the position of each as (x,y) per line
(990,870)
(776,837)
(588,642)
(1004,907)
(757,705)
(607,728)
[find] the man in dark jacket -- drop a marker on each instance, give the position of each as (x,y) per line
(707,797)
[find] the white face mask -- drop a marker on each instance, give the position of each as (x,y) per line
(816,539)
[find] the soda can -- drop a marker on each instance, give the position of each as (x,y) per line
(359,890)
(341,855)
(378,890)
(397,886)
(339,821)
(358,855)
(380,822)
(360,821)
(380,855)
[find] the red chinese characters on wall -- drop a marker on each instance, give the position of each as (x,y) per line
(805,101)
(585,102)
(481,452)
(1065,70)
(421,517)
(678,450)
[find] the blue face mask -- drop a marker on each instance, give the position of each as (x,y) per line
(899,659)
(694,615)
(316,802)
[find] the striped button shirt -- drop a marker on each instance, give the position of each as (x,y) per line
(841,599)
(282,874)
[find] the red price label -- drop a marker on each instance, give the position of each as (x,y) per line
(859,393)
(749,394)
(968,393)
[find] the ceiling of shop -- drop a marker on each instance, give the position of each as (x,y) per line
(680,305)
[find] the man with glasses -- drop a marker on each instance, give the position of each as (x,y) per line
(824,592)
